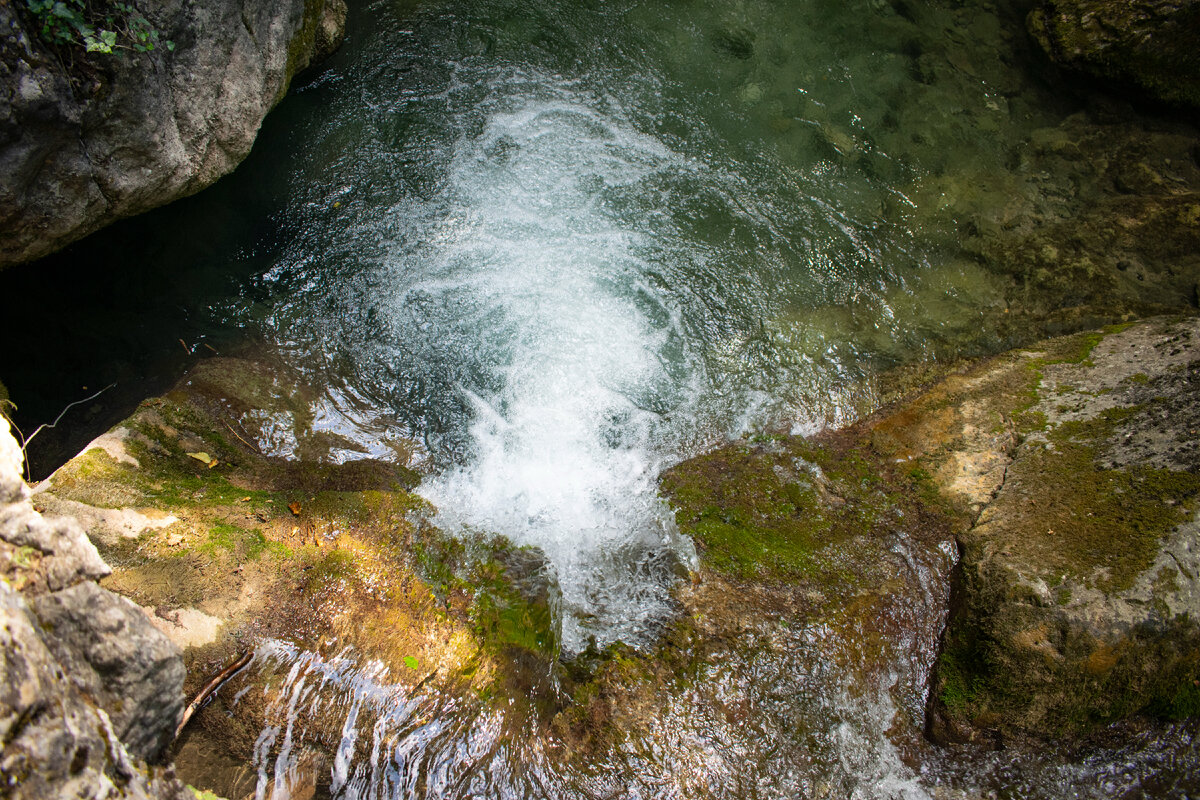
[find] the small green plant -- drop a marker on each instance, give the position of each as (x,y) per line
(98,25)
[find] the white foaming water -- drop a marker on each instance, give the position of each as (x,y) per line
(563,452)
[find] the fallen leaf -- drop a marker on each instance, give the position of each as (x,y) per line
(294,508)
(213,463)
(410,662)
(201,456)
(245,499)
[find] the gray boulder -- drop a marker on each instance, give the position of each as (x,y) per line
(113,135)
(1076,468)
(112,653)
(56,743)
(84,675)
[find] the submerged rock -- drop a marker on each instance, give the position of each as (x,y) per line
(1147,46)
(112,135)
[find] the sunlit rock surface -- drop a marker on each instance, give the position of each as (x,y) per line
(392,660)
(88,688)
(118,134)
(1077,461)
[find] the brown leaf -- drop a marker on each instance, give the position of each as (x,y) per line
(295,508)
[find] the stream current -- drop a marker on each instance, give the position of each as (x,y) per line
(563,245)
(566,246)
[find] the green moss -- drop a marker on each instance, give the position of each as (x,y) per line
(959,680)
(779,511)
(505,618)
(325,567)
(243,545)
(1184,703)
(748,520)
(204,794)
(1109,519)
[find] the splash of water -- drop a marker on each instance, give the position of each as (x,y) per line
(565,449)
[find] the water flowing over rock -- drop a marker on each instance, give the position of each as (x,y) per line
(88,687)
(82,147)
(1147,46)
(392,660)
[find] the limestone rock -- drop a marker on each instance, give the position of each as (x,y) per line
(56,741)
(112,653)
(1079,592)
(1149,45)
(122,133)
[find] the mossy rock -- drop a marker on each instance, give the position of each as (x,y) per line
(788,508)
(201,522)
(1148,47)
(1076,599)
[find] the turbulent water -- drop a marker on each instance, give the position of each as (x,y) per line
(562,245)
(566,245)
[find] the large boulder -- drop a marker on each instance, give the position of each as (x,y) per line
(106,136)
(1149,45)
(1078,465)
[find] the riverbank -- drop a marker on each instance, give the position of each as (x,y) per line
(824,566)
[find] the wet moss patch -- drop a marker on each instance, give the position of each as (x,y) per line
(1101,525)
(777,509)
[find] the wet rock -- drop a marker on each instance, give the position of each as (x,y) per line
(112,135)
(1148,47)
(112,653)
(280,535)
(1078,597)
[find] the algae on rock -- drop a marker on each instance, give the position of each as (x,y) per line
(1077,597)
(1148,46)
(225,545)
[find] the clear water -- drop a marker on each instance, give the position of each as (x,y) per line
(567,245)
(563,245)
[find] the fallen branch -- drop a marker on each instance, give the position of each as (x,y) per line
(210,688)
(240,439)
